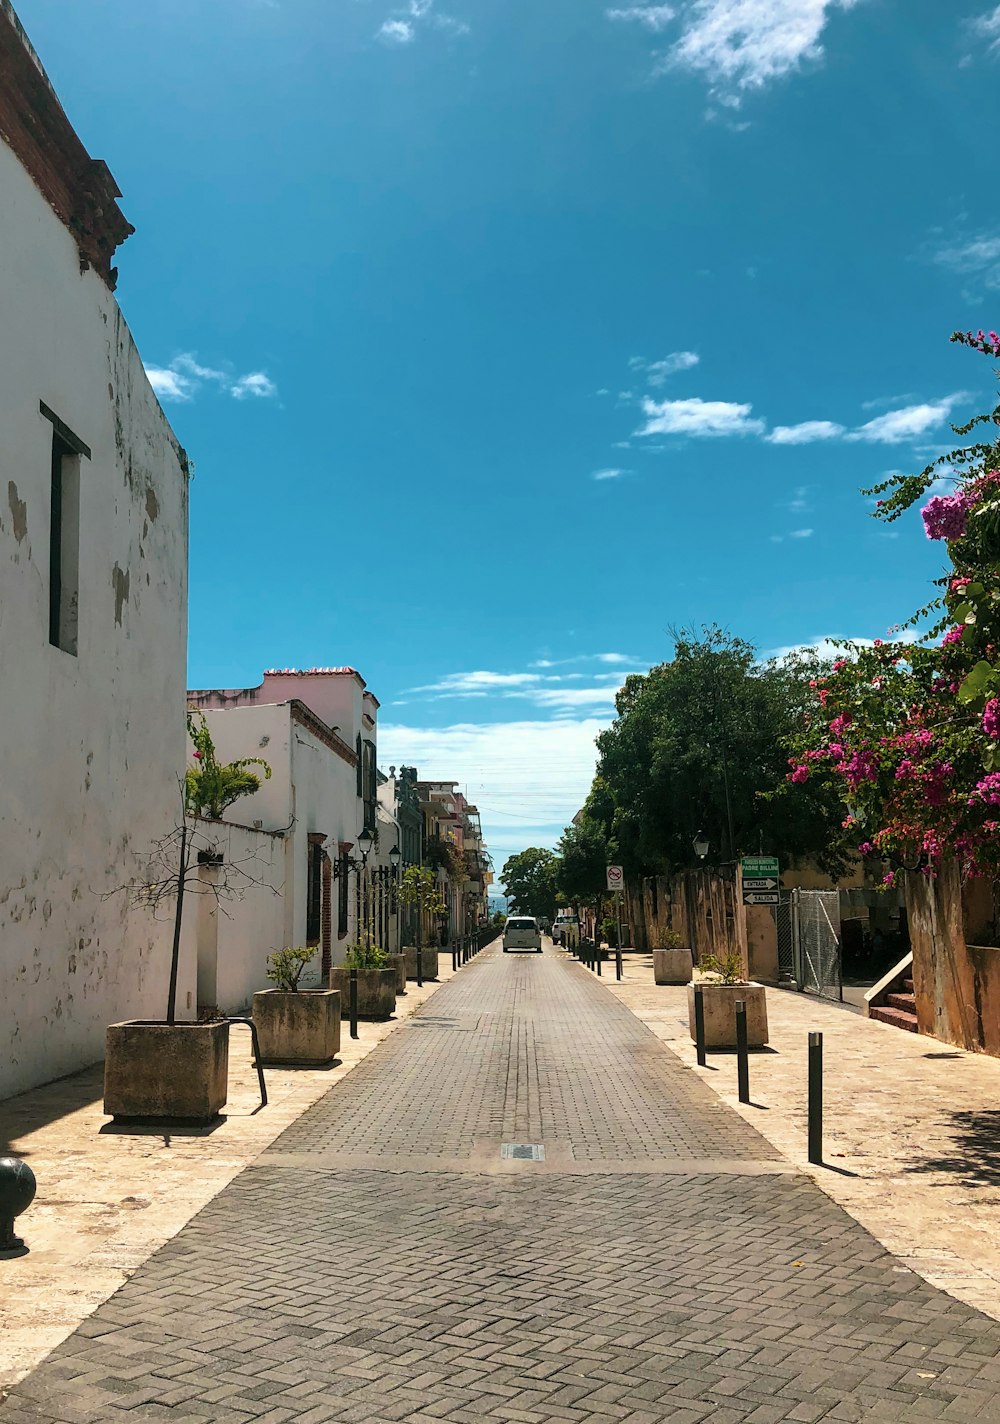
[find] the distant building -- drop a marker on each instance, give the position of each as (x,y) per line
(93,601)
(318,730)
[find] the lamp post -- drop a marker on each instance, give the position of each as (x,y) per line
(700,844)
(361,866)
(395,857)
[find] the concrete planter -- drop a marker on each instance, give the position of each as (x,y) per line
(672,966)
(159,1072)
(428,962)
(376,991)
(303,1027)
(398,962)
(720,1013)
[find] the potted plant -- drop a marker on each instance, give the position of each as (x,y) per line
(419,888)
(376,983)
(178,1070)
(299,1026)
(672,961)
(719,996)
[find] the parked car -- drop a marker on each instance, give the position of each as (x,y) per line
(522,932)
(566,922)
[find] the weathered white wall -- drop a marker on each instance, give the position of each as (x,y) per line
(232,929)
(312,790)
(91,745)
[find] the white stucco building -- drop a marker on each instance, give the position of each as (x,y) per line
(93,593)
(317,729)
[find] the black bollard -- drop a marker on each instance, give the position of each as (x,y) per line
(17,1192)
(742,1056)
(354,1003)
(597,951)
(618,959)
(699,1025)
(816,1098)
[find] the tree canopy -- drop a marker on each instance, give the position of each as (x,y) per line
(530,880)
(700,744)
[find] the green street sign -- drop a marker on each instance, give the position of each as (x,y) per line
(755,866)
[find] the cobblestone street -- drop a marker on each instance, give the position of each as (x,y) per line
(385,1260)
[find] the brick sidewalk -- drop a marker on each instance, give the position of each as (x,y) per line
(383,1261)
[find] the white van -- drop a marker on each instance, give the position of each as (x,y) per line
(522,932)
(566,930)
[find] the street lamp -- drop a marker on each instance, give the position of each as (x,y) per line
(395,856)
(364,846)
(700,844)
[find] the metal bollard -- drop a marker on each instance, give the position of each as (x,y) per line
(618,958)
(742,1055)
(354,1003)
(699,1025)
(597,951)
(816,1098)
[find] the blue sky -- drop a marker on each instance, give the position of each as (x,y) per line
(505,336)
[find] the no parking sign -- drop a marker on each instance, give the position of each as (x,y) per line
(616,877)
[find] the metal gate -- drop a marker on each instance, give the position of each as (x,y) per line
(808,923)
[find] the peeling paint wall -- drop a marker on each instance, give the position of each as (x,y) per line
(90,745)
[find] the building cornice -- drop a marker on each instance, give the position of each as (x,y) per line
(80,190)
(308,719)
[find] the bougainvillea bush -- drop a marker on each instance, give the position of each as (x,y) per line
(909,730)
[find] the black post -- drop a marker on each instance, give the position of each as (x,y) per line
(699,1025)
(354,1003)
(816,1098)
(742,1056)
(618,956)
(597,951)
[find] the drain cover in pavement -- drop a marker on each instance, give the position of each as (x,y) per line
(522,1152)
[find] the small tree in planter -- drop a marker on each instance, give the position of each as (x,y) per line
(165,1069)
(672,962)
(376,981)
(725,983)
(296,1026)
(419,888)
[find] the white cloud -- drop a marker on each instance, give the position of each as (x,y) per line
(185,376)
(528,777)
(399,32)
(977,256)
(256,384)
(744,44)
(614,658)
(908,423)
(657,373)
(608,474)
(800,534)
(805,433)
(987,27)
(401,29)
(698,418)
(462,684)
(170,385)
(651,17)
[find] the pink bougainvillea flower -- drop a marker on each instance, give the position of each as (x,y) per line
(991,719)
(945,515)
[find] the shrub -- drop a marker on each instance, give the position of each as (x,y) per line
(727,967)
(285,966)
(368,955)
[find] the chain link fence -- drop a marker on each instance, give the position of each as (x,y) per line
(809,953)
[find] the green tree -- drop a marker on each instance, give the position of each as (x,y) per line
(585,852)
(701,743)
(530,878)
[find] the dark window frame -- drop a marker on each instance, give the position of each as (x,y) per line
(314,890)
(64,533)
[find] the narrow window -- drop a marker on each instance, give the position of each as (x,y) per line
(64,534)
(314,890)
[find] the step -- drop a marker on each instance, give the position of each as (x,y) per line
(898,1018)
(906,1002)
(908,986)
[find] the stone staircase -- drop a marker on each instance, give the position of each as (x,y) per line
(899,1008)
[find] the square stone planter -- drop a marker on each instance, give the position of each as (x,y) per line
(428,962)
(720,1013)
(672,966)
(376,991)
(398,962)
(166,1072)
(300,1028)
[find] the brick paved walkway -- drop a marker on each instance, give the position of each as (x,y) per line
(382,1261)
